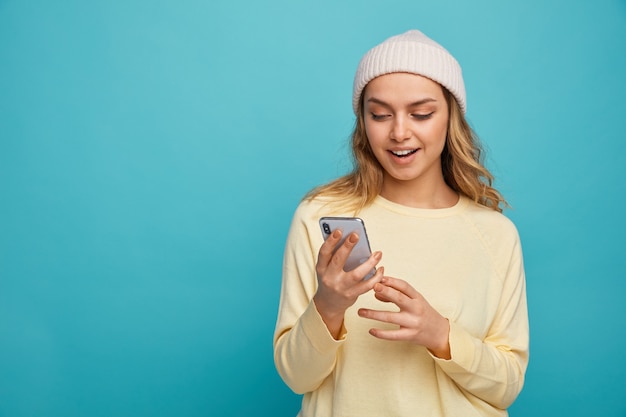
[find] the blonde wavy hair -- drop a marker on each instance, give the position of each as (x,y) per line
(461,162)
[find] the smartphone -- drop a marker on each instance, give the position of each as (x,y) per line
(361,251)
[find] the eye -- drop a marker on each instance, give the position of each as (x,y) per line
(379,117)
(420,116)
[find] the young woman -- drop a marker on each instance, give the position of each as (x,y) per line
(442,328)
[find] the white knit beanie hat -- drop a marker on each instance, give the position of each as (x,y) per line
(411,52)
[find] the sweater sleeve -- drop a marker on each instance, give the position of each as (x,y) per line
(493,368)
(304,350)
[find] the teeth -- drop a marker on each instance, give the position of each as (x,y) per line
(403,153)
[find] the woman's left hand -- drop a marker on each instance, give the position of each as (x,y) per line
(419,322)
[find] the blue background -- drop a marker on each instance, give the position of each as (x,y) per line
(152,154)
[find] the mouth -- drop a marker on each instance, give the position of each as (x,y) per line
(404,153)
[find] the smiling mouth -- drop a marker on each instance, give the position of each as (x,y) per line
(404,153)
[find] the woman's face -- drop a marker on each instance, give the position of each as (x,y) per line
(406,122)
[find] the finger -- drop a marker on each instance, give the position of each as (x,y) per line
(386,293)
(328,248)
(402,319)
(381,297)
(340,256)
(366,285)
(401,286)
(360,272)
(391,317)
(392,334)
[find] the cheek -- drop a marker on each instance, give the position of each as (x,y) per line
(374,134)
(368,130)
(438,133)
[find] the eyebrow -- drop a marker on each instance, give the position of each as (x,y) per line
(415,103)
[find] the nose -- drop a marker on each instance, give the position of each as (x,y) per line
(400,130)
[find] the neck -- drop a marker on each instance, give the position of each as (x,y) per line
(428,195)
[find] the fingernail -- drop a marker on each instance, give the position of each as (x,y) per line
(353,238)
(378,255)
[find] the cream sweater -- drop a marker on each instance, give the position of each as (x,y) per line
(467,262)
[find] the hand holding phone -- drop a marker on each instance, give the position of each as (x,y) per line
(361,251)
